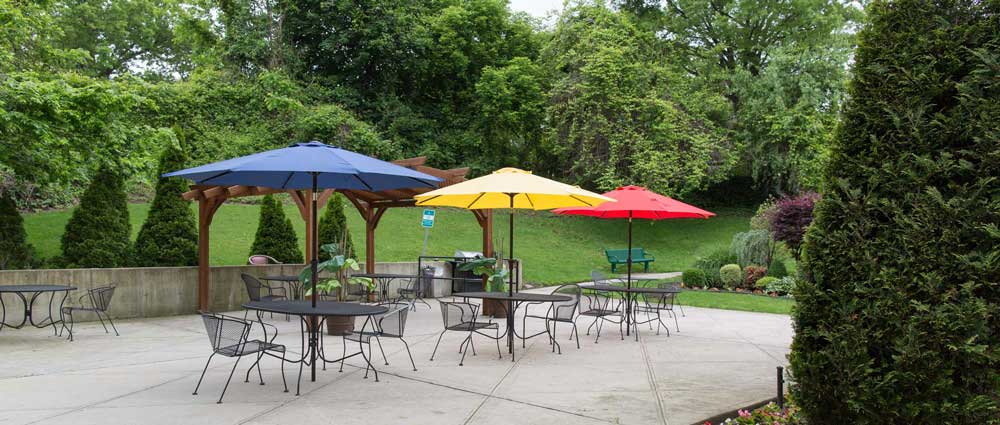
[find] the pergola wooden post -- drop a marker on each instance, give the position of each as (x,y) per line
(371,205)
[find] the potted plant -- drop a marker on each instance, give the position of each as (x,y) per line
(336,279)
(496,281)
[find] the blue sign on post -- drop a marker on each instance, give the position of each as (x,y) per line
(427,221)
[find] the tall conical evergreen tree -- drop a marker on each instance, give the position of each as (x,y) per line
(900,320)
(99,233)
(15,252)
(333,225)
(275,235)
(169,237)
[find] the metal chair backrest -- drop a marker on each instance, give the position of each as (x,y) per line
(598,278)
(661,301)
(393,322)
(260,259)
(253,286)
(457,313)
(100,297)
(566,310)
(226,332)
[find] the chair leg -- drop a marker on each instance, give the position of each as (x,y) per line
(682,309)
(69,314)
(436,345)
(259,374)
(409,354)
(599,325)
(102,322)
(379,342)
(344,354)
(577,333)
(227,381)
(499,353)
(251,368)
(202,374)
(464,352)
(283,381)
(112,323)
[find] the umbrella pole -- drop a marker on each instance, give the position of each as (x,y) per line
(510,288)
(314,265)
(628,280)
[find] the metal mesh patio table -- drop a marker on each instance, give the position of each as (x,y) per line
(513,301)
(33,291)
(312,347)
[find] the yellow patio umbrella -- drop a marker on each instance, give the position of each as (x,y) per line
(511,188)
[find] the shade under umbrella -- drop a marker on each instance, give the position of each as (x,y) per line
(312,165)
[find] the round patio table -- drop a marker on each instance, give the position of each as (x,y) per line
(32,292)
(311,324)
(513,302)
(293,282)
(632,295)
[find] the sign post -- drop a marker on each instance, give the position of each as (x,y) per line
(426,221)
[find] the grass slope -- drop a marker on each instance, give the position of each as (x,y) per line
(556,249)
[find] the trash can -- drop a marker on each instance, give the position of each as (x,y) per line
(426,282)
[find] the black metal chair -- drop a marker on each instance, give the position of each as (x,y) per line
(97,301)
(602,306)
(677,288)
(230,337)
(391,324)
(255,289)
(655,304)
(462,317)
(410,292)
(559,311)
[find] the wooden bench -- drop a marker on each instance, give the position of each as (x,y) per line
(620,256)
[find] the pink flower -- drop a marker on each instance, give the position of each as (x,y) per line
(744,413)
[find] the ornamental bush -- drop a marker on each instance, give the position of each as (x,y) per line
(783,286)
(731,275)
(777,268)
(98,234)
(790,219)
(765,281)
(15,251)
(275,234)
(753,247)
(333,225)
(711,263)
(899,321)
(751,274)
(693,278)
(169,237)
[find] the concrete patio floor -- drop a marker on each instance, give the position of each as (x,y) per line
(719,361)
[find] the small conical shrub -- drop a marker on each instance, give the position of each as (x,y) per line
(99,233)
(333,225)
(275,235)
(15,252)
(169,237)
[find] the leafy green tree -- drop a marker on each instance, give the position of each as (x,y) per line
(333,226)
(122,36)
(15,251)
(98,234)
(28,38)
(618,114)
(511,102)
(898,323)
(275,235)
(169,237)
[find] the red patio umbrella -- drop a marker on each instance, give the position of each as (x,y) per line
(637,202)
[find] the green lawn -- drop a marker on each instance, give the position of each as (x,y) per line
(556,249)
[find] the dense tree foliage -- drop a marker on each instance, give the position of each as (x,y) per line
(169,237)
(99,233)
(275,236)
(899,321)
(621,115)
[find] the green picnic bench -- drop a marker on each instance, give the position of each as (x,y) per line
(620,256)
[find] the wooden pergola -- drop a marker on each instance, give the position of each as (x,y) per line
(371,205)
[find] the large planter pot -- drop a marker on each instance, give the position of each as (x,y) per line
(494,308)
(339,325)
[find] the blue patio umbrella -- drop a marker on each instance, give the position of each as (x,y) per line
(312,165)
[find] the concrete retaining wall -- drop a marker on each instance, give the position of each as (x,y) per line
(164,291)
